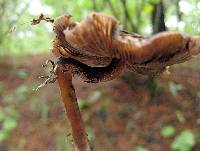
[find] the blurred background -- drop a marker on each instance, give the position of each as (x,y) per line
(131,113)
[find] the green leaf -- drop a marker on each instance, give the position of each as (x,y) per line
(140,148)
(3,135)
(168,131)
(83,104)
(185,141)
(9,124)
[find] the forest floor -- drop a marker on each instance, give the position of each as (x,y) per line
(131,113)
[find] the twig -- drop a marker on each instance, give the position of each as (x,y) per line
(73,113)
(41,17)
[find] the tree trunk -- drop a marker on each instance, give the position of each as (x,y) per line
(158,18)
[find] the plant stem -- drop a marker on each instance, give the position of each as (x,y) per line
(73,113)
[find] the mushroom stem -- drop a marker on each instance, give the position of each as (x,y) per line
(73,113)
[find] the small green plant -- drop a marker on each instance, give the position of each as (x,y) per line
(185,141)
(168,131)
(8,120)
